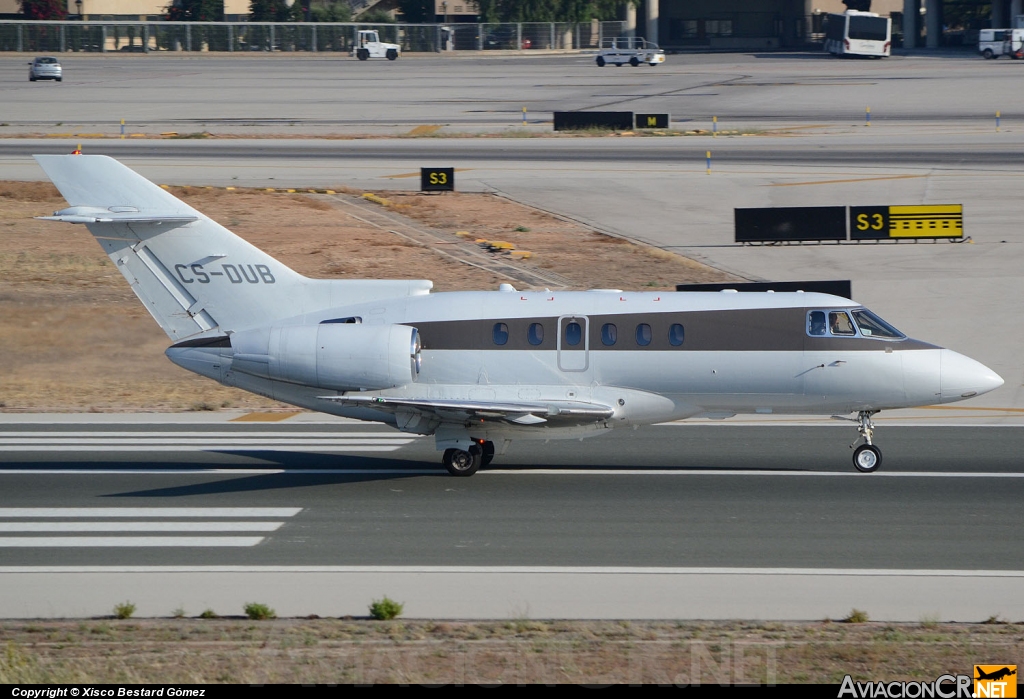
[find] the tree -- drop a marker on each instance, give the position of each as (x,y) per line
(548,10)
(376,16)
(196,10)
(333,12)
(269,11)
(43,9)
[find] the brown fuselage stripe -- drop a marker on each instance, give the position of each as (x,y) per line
(743,330)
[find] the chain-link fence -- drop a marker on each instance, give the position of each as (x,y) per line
(146,37)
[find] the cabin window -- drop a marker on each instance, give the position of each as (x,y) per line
(609,334)
(675,335)
(573,334)
(535,334)
(500,333)
(816,323)
(643,334)
(840,324)
(872,326)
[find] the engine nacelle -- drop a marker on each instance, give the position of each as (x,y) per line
(335,356)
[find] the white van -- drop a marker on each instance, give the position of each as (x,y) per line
(991,42)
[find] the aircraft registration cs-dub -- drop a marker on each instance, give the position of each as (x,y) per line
(480,369)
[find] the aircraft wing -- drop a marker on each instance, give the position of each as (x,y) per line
(526,413)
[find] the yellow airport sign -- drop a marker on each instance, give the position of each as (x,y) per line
(919,221)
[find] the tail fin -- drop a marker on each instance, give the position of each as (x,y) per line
(193,275)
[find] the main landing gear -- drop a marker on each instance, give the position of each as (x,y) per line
(465,463)
(867,458)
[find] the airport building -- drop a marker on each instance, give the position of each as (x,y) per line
(673,24)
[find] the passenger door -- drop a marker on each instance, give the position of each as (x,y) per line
(573,343)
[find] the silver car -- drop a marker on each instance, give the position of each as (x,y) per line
(45,68)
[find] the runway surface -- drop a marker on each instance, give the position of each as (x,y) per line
(667,509)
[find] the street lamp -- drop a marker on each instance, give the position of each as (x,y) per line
(78,4)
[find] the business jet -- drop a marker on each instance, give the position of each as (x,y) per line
(479,369)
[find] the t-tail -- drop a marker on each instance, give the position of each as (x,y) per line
(192,274)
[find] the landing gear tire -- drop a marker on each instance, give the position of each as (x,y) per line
(600,61)
(486,453)
(634,61)
(362,54)
(391,54)
(867,458)
(462,463)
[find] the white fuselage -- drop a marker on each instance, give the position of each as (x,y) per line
(739,353)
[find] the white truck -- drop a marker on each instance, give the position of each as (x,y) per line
(368,45)
(629,49)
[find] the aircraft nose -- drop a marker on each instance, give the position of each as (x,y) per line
(961,377)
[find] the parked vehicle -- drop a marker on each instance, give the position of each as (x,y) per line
(858,34)
(1013,43)
(629,49)
(992,42)
(369,45)
(45,68)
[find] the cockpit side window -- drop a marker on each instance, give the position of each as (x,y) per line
(816,323)
(872,326)
(839,323)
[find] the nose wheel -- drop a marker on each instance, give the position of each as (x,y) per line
(867,458)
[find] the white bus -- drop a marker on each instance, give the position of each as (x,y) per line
(858,34)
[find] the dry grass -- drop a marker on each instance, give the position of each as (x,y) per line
(499,652)
(74,338)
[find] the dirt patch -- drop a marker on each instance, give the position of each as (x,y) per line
(73,337)
(502,652)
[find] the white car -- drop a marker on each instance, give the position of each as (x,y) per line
(45,68)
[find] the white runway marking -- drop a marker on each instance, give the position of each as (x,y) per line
(527,570)
(38,527)
(11,512)
(497,472)
(163,441)
(125,541)
(157,519)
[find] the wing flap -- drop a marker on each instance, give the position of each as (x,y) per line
(528,413)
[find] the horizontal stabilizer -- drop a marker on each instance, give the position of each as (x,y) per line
(116,214)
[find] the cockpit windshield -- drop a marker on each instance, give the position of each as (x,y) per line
(838,323)
(872,326)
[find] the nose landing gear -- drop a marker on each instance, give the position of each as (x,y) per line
(867,458)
